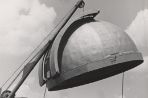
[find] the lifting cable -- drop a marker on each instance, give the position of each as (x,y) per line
(83,10)
(31,55)
(123,85)
(44,96)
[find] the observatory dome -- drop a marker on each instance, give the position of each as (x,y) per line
(91,50)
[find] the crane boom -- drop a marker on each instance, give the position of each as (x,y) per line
(31,64)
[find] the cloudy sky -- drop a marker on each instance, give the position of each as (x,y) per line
(24,23)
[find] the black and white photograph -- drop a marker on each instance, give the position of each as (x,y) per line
(73,48)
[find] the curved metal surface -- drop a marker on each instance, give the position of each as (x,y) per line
(56,51)
(91,50)
(44,70)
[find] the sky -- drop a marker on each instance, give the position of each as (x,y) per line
(24,24)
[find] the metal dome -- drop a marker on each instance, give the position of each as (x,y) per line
(88,51)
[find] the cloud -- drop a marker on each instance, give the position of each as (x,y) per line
(137,78)
(141,69)
(138,31)
(23,24)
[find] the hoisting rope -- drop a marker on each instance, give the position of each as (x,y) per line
(83,10)
(44,96)
(123,85)
(45,38)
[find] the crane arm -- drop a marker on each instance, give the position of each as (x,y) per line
(31,64)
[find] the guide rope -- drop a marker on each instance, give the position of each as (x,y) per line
(123,85)
(44,96)
(83,10)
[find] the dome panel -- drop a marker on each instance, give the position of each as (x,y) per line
(95,41)
(89,51)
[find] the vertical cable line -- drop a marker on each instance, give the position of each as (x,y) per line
(44,96)
(123,85)
(83,11)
